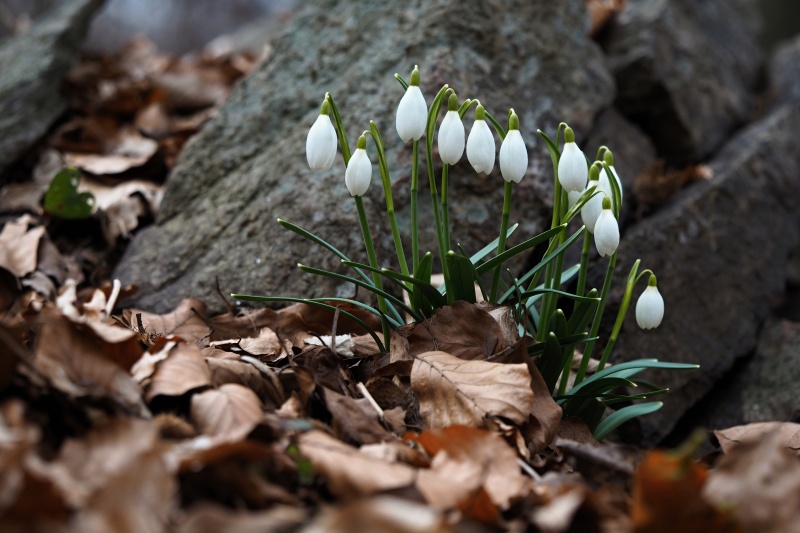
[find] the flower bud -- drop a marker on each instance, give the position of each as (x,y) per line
(650,307)
(591,210)
(451,134)
(606,231)
(412,112)
(513,153)
(359,170)
(605,184)
(572,171)
(480,143)
(321,141)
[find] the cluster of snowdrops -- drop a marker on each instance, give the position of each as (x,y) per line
(591,189)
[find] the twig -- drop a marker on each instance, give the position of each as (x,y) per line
(528,470)
(365,393)
(112,298)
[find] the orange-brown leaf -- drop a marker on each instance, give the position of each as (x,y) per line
(230,411)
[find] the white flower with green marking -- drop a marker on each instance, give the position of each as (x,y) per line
(451,134)
(572,169)
(321,141)
(606,231)
(650,307)
(480,143)
(513,153)
(359,170)
(412,112)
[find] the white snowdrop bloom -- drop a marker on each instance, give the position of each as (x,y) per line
(573,197)
(606,231)
(513,153)
(480,143)
(592,209)
(321,141)
(605,184)
(650,307)
(451,134)
(359,170)
(412,112)
(572,170)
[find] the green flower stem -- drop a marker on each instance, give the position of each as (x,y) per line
(432,115)
(340,133)
(587,243)
(387,191)
(633,279)
(598,315)
(414,199)
(501,240)
(562,386)
(373,261)
(445,207)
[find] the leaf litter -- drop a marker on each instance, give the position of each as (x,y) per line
(255,420)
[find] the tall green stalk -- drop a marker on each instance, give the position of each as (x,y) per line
(373,262)
(501,240)
(414,199)
(598,316)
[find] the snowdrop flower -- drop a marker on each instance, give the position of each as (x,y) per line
(605,184)
(606,231)
(412,112)
(591,210)
(572,171)
(513,153)
(321,141)
(451,134)
(359,170)
(573,197)
(650,307)
(480,143)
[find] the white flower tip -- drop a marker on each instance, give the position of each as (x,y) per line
(650,308)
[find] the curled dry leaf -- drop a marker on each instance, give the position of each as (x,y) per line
(130,150)
(354,420)
(453,391)
(231,371)
(466,460)
(349,472)
(19,245)
(176,369)
(788,433)
(185,321)
(759,480)
(122,205)
(381,513)
(231,411)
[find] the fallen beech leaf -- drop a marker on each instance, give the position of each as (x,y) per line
(208,518)
(129,150)
(178,368)
(231,411)
(382,513)
(354,421)
(464,460)
(185,321)
(788,434)
(350,473)
(453,391)
(231,371)
(759,481)
(19,245)
(121,206)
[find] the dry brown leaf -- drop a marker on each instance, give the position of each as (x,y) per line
(231,371)
(177,368)
(207,518)
(759,481)
(453,391)
(465,460)
(122,205)
(387,514)
(600,11)
(129,150)
(354,421)
(788,434)
(19,245)
(231,411)
(185,321)
(349,472)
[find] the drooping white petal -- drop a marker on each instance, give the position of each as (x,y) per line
(572,169)
(650,308)
(451,138)
(480,147)
(591,210)
(513,157)
(573,197)
(605,184)
(412,114)
(321,144)
(358,173)
(606,233)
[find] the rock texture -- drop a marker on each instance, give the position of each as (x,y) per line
(685,71)
(32,66)
(720,252)
(248,166)
(785,73)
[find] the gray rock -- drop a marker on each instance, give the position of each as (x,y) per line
(764,388)
(32,66)
(785,73)
(720,253)
(685,71)
(247,167)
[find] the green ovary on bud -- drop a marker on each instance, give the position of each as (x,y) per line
(321,141)
(650,306)
(513,152)
(605,184)
(415,76)
(606,230)
(358,174)
(451,134)
(480,143)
